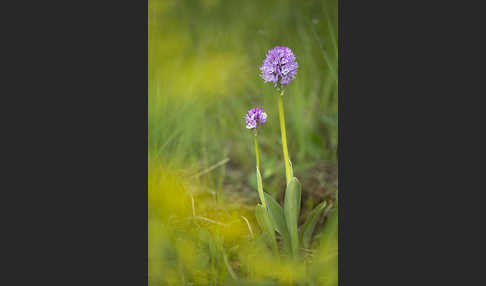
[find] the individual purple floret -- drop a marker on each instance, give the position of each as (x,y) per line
(280,66)
(255,118)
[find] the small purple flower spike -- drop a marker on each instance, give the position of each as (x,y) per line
(279,66)
(255,118)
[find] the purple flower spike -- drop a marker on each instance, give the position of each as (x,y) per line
(255,118)
(280,66)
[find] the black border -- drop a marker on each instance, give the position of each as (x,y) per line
(79,146)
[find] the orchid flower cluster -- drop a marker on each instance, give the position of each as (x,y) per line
(255,118)
(280,68)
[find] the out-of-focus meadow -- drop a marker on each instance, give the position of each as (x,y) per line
(203,67)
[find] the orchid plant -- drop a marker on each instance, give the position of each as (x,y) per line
(280,68)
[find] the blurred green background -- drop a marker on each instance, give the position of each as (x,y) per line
(203,76)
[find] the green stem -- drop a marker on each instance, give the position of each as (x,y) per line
(284,137)
(256,152)
(259,177)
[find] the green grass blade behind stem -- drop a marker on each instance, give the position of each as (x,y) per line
(291,169)
(310,224)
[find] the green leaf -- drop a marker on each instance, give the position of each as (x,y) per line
(292,211)
(310,224)
(278,218)
(266,226)
(260,187)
